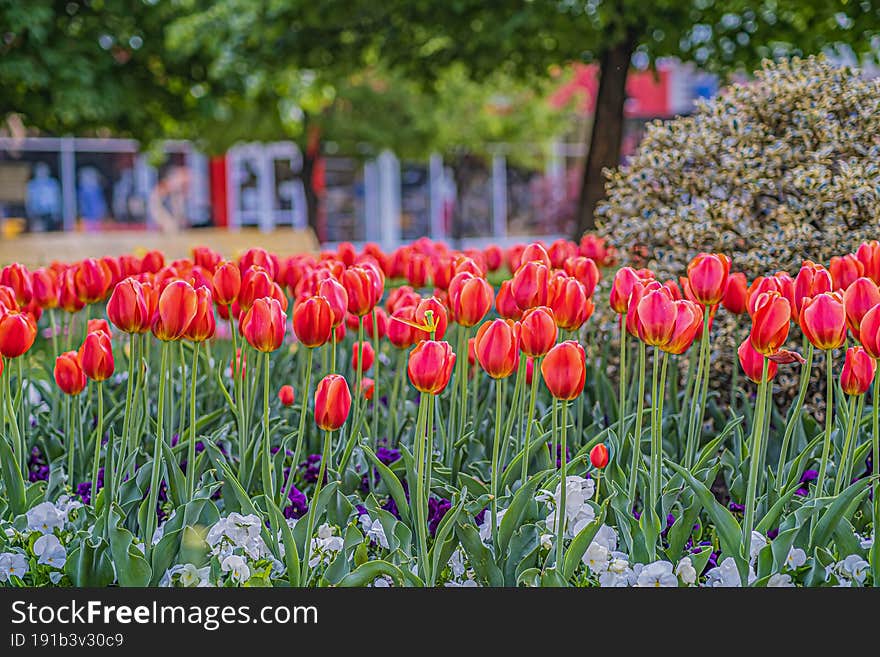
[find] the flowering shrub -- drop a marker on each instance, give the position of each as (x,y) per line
(426,418)
(777,170)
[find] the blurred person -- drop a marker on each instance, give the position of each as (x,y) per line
(43,200)
(167,203)
(90,195)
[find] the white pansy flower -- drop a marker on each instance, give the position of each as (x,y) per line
(796,558)
(686,571)
(779,580)
(856,567)
(486,527)
(190,576)
(374,530)
(50,551)
(759,542)
(325,531)
(866,542)
(657,574)
(456,563)
(45,518)
(724,575)
(606,537)
(596,558)
(55,576)
(547,541)
(237,567)
(578,512)
(12,564)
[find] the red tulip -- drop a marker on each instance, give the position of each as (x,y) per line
(258,257)
(45,287)
(538,331)
(759,286)
(96,356)
(470,298)
(570,303)
(69,374)
(599,456)
(255,284)
(564,369)
(844,270)
(18,330)
(560,251)
(7,298)
(286,395)
(736,294)
(346,253)
(336,296)
(494,257)
(67,297)
(400,297)
(177,308)
(585,270)
(430,366)
(439,317)
(203,323)
(505,304)
(657,314)
(368,356)
(823,320)
(496,347)
(92,280)
(417,270)
(707,275)
(858,371)
(152,262)
(621,289)
(859,298)
(128,308)
(361,292)
(811,280)
(537,253)
(443,269)
(227,283)
(530,284)
(868,254)
(98,326)
(869,331)
(770,323)
(313,321)
(263,325)
(688,324)
(332,402)
(400,333)
(752,362)
(18,278)
(595,248)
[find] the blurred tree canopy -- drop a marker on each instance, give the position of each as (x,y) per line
(413,75)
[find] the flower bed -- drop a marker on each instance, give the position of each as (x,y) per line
(430,417)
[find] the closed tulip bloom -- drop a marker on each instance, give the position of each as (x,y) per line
(68,373)
(96,356)
(823,320)
(752,362)
(570,303)
(657,314)
(599,456)
(494,257)
(98,326)
(313,321)
(535,252)
(401,334)
(439,317)
(845,270)
(68,299)
(152,262)
(869,332)
(858,371)
(263,325)
(417,270)
(18,330)
(255,284)
(707,275)
(226,283)
(585,271)
(17,277)
(496,347)
(868,254)
(470,298)
(7,298)
(176,309)
(286,395)
(369,356)
(442,271)
(859,298)
(332,402)
(560,251)
(128,308)
(336,296)
(203,323)
(621,289)
(368,388)
(770,323)
(430,366)
(786,289)
(45,287)
(359,287)
(538,332)
(688,324)
(674,290)
(759,286)
(258,257)
(92,280)
(381,322)
(736,293)
(564,369)
(505,304)
(811,280)
(400,297)
(530,284)
(376,276)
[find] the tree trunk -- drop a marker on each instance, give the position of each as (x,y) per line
(607,132)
